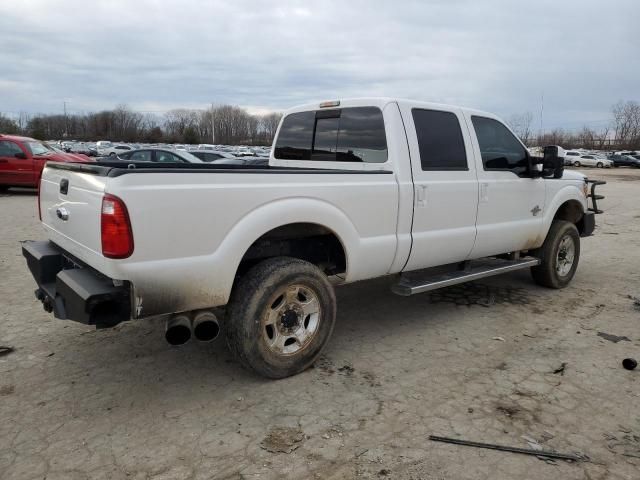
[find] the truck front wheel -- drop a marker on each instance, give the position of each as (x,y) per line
(558,255)
(280,316)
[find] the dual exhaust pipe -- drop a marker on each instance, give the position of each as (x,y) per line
(203,325)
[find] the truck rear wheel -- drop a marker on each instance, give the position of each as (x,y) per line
(558,255)
(280,317)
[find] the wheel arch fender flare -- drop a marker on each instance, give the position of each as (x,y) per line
(269,216)
(569,193)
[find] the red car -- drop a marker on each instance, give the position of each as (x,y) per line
(22,160)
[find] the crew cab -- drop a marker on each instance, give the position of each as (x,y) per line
(430,194)
(22,160)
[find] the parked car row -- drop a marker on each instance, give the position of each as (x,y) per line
(625,160)
(164,155)
(579,160)
(103,148)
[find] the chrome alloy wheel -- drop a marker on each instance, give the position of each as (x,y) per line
(291,319)
(566,256)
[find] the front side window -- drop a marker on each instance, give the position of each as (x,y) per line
(440,140)
(37,148)
(9,149)
(499,148)
(353,134)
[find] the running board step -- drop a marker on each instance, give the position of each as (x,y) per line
(420,281)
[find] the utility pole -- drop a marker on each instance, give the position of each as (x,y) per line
(213,126)
(66,123)
(541,112)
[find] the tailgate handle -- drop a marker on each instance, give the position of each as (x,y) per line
(62,213)
(64,186)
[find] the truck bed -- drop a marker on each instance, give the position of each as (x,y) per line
(118,168)
(192,230)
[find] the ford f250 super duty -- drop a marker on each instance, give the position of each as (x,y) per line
(433,195)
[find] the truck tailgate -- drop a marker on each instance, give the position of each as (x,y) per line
(70,204)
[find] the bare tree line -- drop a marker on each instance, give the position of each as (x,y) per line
(232,126)
(622,133)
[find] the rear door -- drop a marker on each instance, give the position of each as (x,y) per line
(445,186)
(14,170)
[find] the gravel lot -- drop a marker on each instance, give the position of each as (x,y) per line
(474,362)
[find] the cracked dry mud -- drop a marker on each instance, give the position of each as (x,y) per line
(120,404)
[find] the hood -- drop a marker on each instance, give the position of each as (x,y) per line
(68,157)
(573,175)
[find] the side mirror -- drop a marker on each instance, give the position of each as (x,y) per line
(21,155)
(552,162)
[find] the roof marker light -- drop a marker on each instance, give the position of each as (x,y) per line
(331,103)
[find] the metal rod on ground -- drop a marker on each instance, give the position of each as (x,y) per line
(503,448)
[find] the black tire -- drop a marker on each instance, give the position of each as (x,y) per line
(256,296)
(112,154)
(3,188)
(599,165)
(576,164)
(549,272)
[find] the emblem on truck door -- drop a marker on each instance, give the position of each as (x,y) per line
(62,213)
(536,210)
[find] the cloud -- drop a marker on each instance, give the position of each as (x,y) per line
(154,55)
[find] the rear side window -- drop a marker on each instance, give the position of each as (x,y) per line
(499,148)
(440,140)
(341,135)
(139,156)
(166,157)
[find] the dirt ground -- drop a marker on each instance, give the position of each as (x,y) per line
(500,361)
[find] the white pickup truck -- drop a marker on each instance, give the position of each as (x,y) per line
(355,189)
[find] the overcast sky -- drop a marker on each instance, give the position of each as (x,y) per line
(154,55)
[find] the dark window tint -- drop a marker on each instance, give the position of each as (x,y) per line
(361,137)
(140,156)
(296,136)
(9,149)
(500,149)
(326,139)
(207,156)
(440,140)
(347,135)
(167,157)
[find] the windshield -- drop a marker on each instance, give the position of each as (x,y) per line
(38,148)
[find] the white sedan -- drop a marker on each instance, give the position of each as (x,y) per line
(591,161)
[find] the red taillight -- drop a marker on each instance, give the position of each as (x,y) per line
(116,233)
